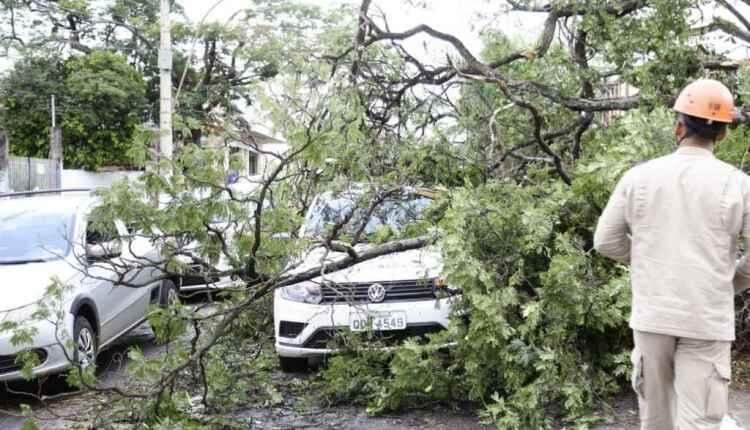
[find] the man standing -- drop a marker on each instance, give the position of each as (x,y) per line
(676,221)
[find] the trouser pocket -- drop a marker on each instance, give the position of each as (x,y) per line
(717,401)
(637,378)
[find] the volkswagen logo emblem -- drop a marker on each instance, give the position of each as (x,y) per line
(376,293)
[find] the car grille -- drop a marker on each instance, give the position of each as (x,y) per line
(356,292)
(8,362)
(322,337)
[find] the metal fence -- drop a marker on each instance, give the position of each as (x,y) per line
(28,174)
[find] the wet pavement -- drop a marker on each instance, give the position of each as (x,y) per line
(111,363)
(65,406)
(625,413)
(11,422)
(352,418)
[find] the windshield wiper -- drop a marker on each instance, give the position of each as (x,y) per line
(12,262)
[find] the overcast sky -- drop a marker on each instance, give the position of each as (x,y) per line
(463,18)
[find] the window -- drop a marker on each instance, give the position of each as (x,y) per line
(252,165)
(245,155)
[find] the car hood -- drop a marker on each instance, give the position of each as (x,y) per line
(23,284)
(413,264)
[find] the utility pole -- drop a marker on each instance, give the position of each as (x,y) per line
(56,147)
(165,84)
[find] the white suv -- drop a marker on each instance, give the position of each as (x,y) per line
(396,296)
(50,235)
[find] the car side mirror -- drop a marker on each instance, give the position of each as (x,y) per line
(103,251)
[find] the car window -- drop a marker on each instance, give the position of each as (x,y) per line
(397,212)
(100,233)
(34,234)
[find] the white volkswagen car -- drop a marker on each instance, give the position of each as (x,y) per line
(395,296)
(50,235)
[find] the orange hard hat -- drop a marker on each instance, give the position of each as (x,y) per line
(707,99)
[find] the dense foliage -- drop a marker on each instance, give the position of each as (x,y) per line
(100,100)
(543,320)
(542,332)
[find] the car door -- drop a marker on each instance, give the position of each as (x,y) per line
(119,306)
(143,262)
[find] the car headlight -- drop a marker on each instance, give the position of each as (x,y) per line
(304,292)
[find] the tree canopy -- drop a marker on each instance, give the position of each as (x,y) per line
(100,102)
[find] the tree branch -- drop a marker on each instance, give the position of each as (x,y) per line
(737,14)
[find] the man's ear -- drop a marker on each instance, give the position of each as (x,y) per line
(679,130)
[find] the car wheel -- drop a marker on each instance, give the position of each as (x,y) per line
(86,345)
(168,294)
(293,364)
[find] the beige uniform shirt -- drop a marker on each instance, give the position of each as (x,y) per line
(676,220)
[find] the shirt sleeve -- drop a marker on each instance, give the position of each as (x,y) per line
(611,237)
(742,272)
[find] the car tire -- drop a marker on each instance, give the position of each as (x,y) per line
(293,364)
(168,294)
(86,345)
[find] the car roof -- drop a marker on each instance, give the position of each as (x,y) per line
(67,202)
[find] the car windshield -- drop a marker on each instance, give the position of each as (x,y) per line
(396,213)
(34,235)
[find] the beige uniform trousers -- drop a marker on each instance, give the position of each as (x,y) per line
(681,383)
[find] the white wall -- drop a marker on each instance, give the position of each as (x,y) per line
(84,179)
(4,183)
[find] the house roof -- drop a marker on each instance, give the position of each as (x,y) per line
(261,137)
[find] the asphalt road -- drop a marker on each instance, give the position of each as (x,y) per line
(112,372)
(111,365)
(11,422)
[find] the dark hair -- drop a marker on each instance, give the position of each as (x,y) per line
(702,128)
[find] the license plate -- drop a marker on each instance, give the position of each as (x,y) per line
(380,321)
